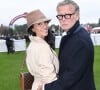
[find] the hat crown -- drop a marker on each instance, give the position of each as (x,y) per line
(35,16)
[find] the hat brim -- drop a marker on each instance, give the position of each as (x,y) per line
(39,21)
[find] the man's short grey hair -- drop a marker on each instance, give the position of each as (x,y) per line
(67,2)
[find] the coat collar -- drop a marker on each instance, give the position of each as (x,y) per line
(36,38)
(73,29)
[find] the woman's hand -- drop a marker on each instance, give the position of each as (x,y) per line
(40,85)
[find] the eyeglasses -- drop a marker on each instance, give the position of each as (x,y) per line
(66,16)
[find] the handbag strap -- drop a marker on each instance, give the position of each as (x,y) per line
(23,64)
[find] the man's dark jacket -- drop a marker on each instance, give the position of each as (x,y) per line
(76,57)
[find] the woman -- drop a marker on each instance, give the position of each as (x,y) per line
(41,60)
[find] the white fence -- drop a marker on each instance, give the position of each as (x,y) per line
(95,38)
(19,45)
(57,41)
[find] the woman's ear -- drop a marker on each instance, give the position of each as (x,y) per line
(33,30)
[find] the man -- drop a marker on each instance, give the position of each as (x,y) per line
(9,44)
(76,52)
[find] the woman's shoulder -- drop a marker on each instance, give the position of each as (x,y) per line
(38,43)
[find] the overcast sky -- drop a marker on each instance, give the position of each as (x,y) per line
(89,10)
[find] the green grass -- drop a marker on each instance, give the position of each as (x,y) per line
(10,68)
(97,67)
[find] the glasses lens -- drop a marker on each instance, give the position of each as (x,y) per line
(67,16)
(59,17)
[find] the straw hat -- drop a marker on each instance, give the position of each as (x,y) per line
(34,17)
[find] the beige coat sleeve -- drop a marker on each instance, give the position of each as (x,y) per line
(40,63)
(46,65)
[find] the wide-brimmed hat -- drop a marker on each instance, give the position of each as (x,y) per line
(34,17)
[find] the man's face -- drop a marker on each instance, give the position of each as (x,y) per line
(67,16)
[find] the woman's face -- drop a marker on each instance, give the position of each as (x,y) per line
(41,29)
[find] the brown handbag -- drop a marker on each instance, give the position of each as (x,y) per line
(26,79)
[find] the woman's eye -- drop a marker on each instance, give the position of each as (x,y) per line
(39,23)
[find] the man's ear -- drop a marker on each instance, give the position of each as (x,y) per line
(78,16)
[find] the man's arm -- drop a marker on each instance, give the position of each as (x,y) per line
(77,65)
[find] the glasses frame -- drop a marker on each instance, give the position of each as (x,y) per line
(66,16)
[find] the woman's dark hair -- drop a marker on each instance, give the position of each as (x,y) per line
(50,38)
(30,32)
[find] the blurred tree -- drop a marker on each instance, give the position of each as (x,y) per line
(21,29)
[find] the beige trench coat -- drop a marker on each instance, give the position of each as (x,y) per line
(42,62)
